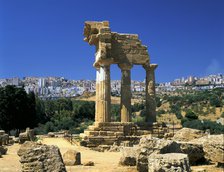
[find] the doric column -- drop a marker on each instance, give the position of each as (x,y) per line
(104,99)
(150,92)
(125,106)
(97,94)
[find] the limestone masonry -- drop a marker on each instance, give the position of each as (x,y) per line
(124,50)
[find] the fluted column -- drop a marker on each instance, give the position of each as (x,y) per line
(150,92)
(97,94)
(104,99)
(125,106)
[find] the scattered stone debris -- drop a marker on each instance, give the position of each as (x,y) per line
(194,151)
(187,134)
(28,135)
(40,157)
(114,148)
(72,157)
(89,163)
(213,146)
(169,163)
(128,157)
(4,138)
(3,150)
(176,155)
(51,134)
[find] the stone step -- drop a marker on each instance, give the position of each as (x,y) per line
(91,133)
(82,135)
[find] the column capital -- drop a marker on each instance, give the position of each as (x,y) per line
(150,66)
(153,66)
(125,66)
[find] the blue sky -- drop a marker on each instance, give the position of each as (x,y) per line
(44,37)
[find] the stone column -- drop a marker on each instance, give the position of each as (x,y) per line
(125,106)
(150,93)
(104,99)
(97,94)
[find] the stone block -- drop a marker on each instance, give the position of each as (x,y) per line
(88,163)
(169,162)
(213,146)
(3,150)
(2,132)
(40,157)
(128,156)
(110,133)
(187,134)
(72,157)
(194,151)
(102,133)
(91,133)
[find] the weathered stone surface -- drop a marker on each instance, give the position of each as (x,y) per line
(194,151)
(156,145)
(16,139)
(151,146)
(39,157)
(188,134)
(4,138)
(3,150)
(168,163)
(129,156)
(150,92)
(51,134)
(28,135)
(213,146)
(72,157)
(89,163)
(2,132)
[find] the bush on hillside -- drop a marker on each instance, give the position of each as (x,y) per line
(214,127)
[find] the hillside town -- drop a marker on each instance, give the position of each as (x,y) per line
(55,87)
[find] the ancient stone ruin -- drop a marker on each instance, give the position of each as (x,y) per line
(28,135)
(40,157)
(4,140)
(125,50)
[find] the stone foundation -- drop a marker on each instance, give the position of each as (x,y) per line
(116,133)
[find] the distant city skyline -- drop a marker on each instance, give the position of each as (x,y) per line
(173,79)
(44,38)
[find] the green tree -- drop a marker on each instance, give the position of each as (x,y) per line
(190,115)
(215,101)
(115,112)
(17,109)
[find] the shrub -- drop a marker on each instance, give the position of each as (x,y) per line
(137,107)
(214,127)
(161,111)
(183,120)
(179,115)
(175,109)
(138,119)
(215,101)
(222,115)
(190,115)
(158,102)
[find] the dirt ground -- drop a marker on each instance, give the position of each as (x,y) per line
(104,162)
